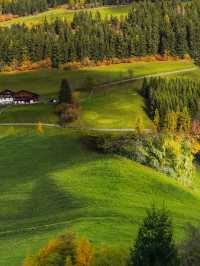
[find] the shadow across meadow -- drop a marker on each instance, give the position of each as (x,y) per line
(28,193)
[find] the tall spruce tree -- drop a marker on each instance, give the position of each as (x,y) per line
(65,95)
(154,245)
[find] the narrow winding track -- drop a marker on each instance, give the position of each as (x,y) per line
(80,128)
(162,74)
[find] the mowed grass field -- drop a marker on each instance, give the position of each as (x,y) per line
(64,13)
(46,82)
(52,183)
(117,106)
(24,114)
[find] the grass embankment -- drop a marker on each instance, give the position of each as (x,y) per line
(53,178)
(64,13)
(113,107)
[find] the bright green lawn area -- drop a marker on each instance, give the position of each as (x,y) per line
(116,106)
(47,82)
(32,113)
(63,13)
(53,178)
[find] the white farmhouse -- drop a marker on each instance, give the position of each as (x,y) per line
(6,97)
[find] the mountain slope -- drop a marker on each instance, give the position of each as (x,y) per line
(51,182)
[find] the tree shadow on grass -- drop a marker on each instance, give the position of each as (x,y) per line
(48,202)
(27,192)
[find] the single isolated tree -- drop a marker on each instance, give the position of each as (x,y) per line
(156,119)
(65,94)
(139,126)
(154,245)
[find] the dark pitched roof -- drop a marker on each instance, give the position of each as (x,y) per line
(20,95)
(26,94)
(7,93)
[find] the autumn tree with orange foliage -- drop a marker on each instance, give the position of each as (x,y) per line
(195,128)
(84,253)
(68,251)
(55,253)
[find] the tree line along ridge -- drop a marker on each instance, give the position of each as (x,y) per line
(150,28)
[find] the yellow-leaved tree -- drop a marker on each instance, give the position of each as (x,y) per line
(84,253)
(40,128)
(68,261)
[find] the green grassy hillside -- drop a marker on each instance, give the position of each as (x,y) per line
(103,108)
(64,13)
(52,179)
(51,183)
(113,106)
(25,114)
(47,82)
(118,106)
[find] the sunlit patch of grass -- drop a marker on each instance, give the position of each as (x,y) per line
(47,82)
(63,13)
(115,107)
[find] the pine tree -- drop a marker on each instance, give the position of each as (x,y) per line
(55,55)
(139,125)
(184,120)
(154,245)
(171,121)
(156,119)
(65,94)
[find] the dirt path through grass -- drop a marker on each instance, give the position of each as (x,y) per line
(147,76)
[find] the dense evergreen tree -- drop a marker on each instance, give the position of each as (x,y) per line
(154,244)
(172,97)
(65,95)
